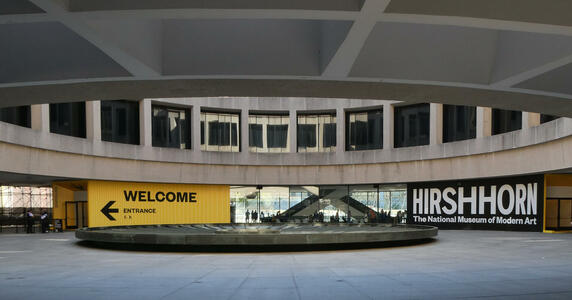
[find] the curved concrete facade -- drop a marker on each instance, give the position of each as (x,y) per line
(534,149)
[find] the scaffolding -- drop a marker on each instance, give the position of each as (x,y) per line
(15,201)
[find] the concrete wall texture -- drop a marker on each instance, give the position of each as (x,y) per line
(534,149)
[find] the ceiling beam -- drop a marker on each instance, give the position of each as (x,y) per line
(193,13)
(26,18)
(477,23)
(341,64)
(75,23)
(528,74)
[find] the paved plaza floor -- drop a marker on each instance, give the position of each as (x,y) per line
(458,264)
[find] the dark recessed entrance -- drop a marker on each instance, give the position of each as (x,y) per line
(559,213)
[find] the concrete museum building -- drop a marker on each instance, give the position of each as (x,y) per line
(454,113)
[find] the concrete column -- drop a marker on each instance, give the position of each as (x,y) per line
(244,133)
(293,131)
(340,130)
(530,119)
(93,120)
(40,117)
(484,121)
(388,132)
(435,123)
(196,128)
(145,115)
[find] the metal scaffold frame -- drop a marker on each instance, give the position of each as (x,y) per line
(15,201)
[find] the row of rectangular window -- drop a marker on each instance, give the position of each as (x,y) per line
(220,131)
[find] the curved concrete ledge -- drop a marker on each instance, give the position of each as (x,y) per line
(540,158)
(261,235)
(133,88)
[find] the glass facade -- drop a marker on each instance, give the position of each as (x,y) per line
(459,123)
(19,115)
(411,125)
(171,127)
(268,133)
(364,130)
(120,121)
(220,131)
(68,119)
(316,133)
(506,121)
(329,203)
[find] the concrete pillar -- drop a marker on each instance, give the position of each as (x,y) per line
(244,136)
(293,131)
(195,128)
(340,130)
(530,119)
(93,120)
(40,117)
(388,132)
(484,121)
(435,123)
(145,115)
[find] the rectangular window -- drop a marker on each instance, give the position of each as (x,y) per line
(547,118)
(459,123)
(277,136)
(364,130)
(171,127)
(255,135)
(330,135)
(411,125)
(120,121)
(219,131)
(20,115)
(68,119)
(506,121)
(268,133)
(316,132)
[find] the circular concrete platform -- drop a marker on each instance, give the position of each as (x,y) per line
(256,234)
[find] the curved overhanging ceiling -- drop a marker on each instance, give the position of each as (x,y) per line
(512,54)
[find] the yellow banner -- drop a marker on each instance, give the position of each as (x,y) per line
(127,203)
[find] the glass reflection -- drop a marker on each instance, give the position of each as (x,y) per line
(305,204)
(268,133)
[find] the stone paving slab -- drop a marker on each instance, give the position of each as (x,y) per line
(458,265)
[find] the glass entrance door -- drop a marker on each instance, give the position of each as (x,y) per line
(76,214)
(559,214)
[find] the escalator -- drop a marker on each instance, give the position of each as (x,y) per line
(334,197)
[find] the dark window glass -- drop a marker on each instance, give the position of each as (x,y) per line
(202,132)
(506,121)
(255,135)
(219,133)
(68,119)
(214,133)
(307,135)
(547,118)
(120,121)
(459,123)
(220,129)
(411,125)
(330,135)
(106,121)
(170,127)
(20,115)
(364,130)
(234,134)
(277,136)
